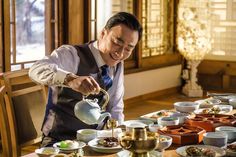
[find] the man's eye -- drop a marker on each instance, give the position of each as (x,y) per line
(127,49)
(117,42)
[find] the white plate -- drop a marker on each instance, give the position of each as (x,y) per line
(219,152)
(151,116)
(76,145)
(93,144)
(137,123)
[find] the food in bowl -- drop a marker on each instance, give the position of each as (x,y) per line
(162,113)
(108,142)
(209,102)
(213,110)
(164,142)
(167,121)
(68,144)
(86,135)
(232,147)
(186,106)
(231,150)
(197,151)
(47,151)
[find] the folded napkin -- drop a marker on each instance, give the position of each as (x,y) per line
(108,133)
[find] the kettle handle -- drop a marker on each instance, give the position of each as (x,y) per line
(106,99)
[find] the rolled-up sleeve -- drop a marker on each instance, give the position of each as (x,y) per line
(52,70)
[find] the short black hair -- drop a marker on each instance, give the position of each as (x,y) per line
(127,19)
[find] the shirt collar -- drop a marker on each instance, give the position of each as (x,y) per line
(98,58)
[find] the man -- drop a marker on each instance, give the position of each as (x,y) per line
(73,71)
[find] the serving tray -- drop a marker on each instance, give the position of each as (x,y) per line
(210,121)
(183,134)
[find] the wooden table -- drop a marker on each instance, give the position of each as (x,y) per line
(170,152)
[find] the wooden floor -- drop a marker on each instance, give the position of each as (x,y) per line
(134,110)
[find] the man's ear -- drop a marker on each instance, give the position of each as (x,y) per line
(103,32)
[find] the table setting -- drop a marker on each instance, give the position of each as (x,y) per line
(182,131)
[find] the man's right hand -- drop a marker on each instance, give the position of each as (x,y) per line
(83,84)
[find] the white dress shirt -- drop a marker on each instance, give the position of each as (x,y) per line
(52,70)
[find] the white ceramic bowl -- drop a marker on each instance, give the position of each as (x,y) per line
(229,130)
(164,142)
(47,151)
(186,106)
(233,102)
(154,127)
(86,135)
(218,139)
(182,116)
(167,121)
(141,123)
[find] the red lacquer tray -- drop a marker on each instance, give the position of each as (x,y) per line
(183,134)
(210,121)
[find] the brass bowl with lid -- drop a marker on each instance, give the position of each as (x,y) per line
(139,142)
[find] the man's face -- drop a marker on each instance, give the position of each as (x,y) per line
(117,44)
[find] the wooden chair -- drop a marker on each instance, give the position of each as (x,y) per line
(4,123)
(29,104)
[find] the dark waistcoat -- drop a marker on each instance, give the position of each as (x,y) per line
(62,123)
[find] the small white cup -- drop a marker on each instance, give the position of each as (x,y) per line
(86,135)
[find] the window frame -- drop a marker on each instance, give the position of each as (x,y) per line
(54,34)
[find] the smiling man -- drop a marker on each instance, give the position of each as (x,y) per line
(76,70)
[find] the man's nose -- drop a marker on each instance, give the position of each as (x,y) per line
(121,51)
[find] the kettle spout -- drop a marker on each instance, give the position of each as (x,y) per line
(103,116)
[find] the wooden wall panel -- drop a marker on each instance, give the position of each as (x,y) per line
(217,75)
(75,21)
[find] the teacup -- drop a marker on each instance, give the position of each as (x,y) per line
(86,135)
